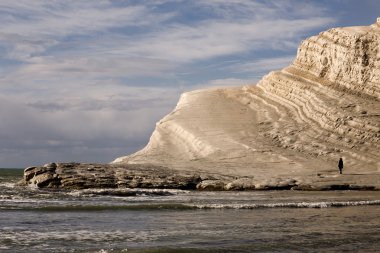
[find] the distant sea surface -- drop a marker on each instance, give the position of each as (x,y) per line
(138,220)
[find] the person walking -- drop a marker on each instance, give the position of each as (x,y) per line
(340,165)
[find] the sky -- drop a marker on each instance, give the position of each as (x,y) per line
(86,81)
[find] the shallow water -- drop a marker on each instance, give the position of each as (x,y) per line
(126,220)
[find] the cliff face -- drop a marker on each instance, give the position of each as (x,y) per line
(297,121)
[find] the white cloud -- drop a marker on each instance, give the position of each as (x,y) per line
(32,27)
(248,25)
(262,65)
(60,18)
(94,66)
(215,38)
(224,83)
(133,99)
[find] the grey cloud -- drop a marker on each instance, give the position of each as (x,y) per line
(117,102)
(29,136)
(21,47)
(47,106)
(256,10)
(98,65)
(214,38)
(207,38)
(46,18)
(262,65)
(32,27)
(223,83)
(23,157)
(50,74)
(87,104)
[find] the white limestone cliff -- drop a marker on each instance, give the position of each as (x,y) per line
(294,123)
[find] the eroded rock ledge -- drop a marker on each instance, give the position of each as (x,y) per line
(83,176)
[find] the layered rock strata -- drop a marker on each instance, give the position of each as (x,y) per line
(83,176)
(287,131)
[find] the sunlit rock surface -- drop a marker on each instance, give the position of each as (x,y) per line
(296,122)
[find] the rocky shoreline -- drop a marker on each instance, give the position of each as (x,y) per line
(71,176)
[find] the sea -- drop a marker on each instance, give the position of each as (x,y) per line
(159,220)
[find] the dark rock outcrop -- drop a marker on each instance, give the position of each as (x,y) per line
(82,176)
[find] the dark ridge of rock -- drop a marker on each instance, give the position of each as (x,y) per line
(83,176)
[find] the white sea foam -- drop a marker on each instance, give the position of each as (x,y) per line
(29,237)
(108,251)
(289,205)
(33,186)
(126,192)
(7,185)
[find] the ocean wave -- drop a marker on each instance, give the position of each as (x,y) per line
(192,206)
(290,205)
(49,240)
(8,185)
(127,192)
(132,207)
